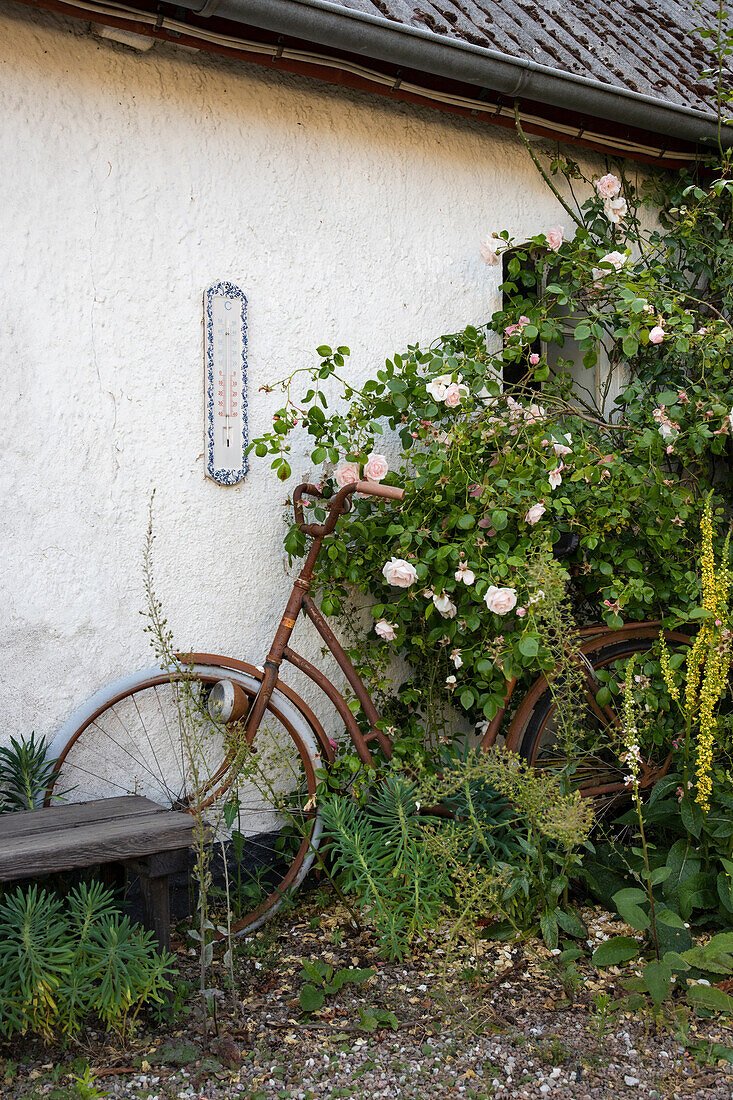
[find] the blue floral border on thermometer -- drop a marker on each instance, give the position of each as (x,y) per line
(229,290)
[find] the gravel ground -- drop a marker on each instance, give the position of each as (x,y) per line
(495,1020)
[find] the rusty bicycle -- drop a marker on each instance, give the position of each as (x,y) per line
(130,736)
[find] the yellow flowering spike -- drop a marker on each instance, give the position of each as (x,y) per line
(695,657)
(707,560)
(667,672)
(709,660)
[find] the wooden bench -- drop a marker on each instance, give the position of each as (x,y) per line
(129,830)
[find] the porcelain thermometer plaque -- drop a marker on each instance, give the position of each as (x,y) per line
(225,379)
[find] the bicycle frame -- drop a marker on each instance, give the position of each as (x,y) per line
(299,601)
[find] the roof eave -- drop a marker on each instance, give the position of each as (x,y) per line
(414,48)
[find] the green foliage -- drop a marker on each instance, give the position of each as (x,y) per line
(508,847)
(26,773)
(85,1086)
(64,960)
(626,475)
(692,971)
(506,447)
(323,980)
(378,854)
(372,1018)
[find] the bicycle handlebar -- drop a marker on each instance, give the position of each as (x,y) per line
(339,504)
(374,489)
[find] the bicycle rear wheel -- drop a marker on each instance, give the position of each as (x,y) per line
(150,734)
(533,732)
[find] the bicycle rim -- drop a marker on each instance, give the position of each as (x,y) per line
(151,735)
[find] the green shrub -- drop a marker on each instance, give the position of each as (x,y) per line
(26,772)
(64,960)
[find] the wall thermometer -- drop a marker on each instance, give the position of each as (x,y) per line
(225,381)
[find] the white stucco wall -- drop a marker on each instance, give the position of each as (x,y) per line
(130,182)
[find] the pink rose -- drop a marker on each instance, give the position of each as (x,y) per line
(444,605)
(617,260)
(555,478)
(656,335)
(608,186)
(347,474)
(453,395)
(489,251)
(385,630)
(554,237)
(463,573)
(399,573)
(521,612)
(500,600)
(615,210)
(376,467)
(535,514)
(534,358)
(437,386)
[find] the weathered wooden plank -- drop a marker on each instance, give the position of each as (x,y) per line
(96,842)
(70,814)
(157,908)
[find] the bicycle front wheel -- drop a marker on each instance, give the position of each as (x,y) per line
(150,734)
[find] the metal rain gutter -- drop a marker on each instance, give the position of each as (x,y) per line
(414,48)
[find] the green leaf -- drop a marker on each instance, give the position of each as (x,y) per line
(725,890)
(603,696)
(670,918)
(571,923)
(658,980)
(708,996)
(467,699)
(627,902)
(619,949)
(355,977)
(692,816)
(548,927)
(692,893)
(324,351)
(311,999)
(670,936)
(684,861)
(529,646)
(676,962)
(667,397)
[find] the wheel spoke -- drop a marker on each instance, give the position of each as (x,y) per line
(144,750)
(126,751)
(152,749)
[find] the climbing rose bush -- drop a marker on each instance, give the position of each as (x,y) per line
(495,475)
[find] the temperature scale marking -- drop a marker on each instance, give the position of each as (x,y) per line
(225,379)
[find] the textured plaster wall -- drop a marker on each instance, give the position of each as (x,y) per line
(130,182)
